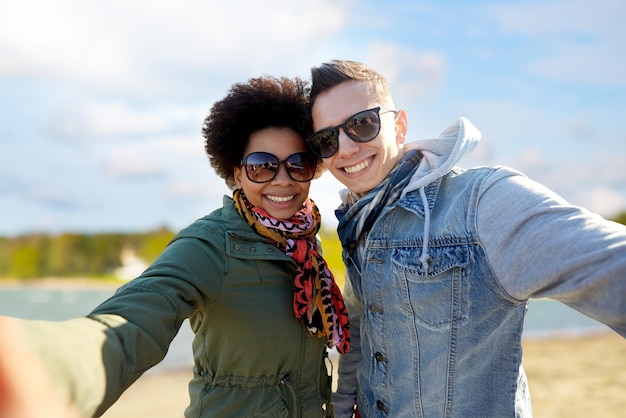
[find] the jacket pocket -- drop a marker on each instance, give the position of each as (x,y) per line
(437,296)
(236,396)
(286,400)
(277,410)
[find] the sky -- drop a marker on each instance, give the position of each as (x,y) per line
(102,103)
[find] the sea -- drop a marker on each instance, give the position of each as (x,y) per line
(545,318)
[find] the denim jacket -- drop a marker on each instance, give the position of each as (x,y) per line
(442,338)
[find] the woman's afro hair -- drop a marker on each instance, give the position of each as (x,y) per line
(260,103)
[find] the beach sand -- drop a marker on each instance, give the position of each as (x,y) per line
(572,377)
(577,377)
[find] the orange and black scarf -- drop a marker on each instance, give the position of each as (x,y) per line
(317,301)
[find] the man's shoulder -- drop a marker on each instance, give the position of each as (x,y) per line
(483,172)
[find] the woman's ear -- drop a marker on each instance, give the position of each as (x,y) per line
(238,172)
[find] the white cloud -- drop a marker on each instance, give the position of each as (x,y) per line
(59,39)
(604,201)
(91,120)
(131,162)
(144,46)
(410,74)
(127,84)
(532,157)
(187,189)
(167,157)
(180,145)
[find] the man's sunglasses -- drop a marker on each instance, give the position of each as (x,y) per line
(262,167)
(360,127)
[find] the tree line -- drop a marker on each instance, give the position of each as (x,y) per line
(75,254)
(98,255)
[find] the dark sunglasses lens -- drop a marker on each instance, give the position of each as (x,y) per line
(325,143)
(261,166)
(364,126)
(301,166)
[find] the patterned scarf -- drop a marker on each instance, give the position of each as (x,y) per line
(317,301)
(358,213)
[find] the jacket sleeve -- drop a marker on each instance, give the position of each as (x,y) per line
(344,399)
(94,359)
(540,246)
(27,385)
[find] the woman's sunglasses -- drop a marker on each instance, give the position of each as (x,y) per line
(360,127)
(262,167)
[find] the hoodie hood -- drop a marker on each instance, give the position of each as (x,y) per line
(442,153)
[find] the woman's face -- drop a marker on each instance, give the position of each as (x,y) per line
(282,196)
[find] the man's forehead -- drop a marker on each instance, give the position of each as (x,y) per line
(333,106)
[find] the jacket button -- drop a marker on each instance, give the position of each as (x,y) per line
(379,356)
(252,249)
(381,406)
(237,247)
(375,308)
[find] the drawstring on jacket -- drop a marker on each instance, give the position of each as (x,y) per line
(440,156)
(425,256)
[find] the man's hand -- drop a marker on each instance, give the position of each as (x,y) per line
(26,388)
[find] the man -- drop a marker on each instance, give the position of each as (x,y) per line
(442,261)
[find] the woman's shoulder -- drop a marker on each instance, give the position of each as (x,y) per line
(222,221)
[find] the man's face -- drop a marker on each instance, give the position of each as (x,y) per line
(360,166)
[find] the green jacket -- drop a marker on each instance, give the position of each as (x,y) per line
(252,357)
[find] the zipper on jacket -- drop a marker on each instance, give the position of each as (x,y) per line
(291,393)
(328,377)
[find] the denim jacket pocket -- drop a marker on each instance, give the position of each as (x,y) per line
(437,296)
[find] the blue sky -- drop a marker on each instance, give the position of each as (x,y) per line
(101,103)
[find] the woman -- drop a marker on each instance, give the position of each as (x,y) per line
(249,276)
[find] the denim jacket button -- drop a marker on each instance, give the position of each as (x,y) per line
(375,308)
(381,406)
(379,356)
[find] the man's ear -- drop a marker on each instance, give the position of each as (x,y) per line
(401,126)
